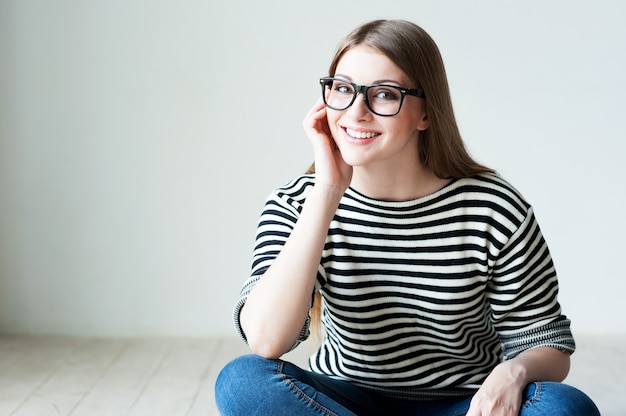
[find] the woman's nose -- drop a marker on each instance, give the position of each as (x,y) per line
(359,108)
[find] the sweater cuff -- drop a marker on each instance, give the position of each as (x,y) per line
(556,334)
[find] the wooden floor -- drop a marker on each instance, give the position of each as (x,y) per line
(152,377)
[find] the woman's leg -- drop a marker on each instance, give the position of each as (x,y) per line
(543,398)
(251,385)
(556,399)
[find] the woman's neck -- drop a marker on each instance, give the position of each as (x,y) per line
(396,184)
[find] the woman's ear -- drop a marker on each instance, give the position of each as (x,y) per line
(423,123)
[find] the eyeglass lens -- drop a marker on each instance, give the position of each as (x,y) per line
(381,99)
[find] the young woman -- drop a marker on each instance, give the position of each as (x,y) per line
(433,284)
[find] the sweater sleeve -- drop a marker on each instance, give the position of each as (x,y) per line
(523,294)
(277,220)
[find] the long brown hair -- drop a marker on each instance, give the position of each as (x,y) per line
(409,47)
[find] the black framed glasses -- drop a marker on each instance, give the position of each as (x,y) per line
(380,99)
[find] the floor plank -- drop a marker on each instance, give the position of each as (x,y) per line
(27,364)
(122,385)
(73,378)
(175,386)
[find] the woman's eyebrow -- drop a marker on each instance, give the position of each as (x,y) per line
(346,77)
(380,81)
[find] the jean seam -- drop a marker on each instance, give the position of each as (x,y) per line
(535,397)
(300,393)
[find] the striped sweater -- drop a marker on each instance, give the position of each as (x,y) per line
(422,298)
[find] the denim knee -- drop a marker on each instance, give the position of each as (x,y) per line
(240,383)
(252,385)
(557,399)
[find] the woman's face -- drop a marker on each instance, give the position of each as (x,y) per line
(367,139)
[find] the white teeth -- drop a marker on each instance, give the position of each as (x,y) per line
(361,134)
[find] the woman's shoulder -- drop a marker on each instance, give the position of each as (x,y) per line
(293,192)
(491,181)
(494,187)
(297,186)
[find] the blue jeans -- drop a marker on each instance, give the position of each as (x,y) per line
(251,385)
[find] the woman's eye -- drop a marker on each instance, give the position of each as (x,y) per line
(343,88)
(386,95)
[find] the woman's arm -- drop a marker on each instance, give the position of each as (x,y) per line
(278,305)
(501,393)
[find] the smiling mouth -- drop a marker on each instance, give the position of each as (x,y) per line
(361,134)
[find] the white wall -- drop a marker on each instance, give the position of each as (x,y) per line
(138,140)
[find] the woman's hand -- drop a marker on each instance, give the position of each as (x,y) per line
(330,168)
(500,394)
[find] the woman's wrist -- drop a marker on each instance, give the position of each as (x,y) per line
(330,194)
(515,373)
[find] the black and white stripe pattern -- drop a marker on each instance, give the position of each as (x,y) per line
(423,298)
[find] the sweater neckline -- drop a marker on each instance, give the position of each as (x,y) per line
(356,195)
